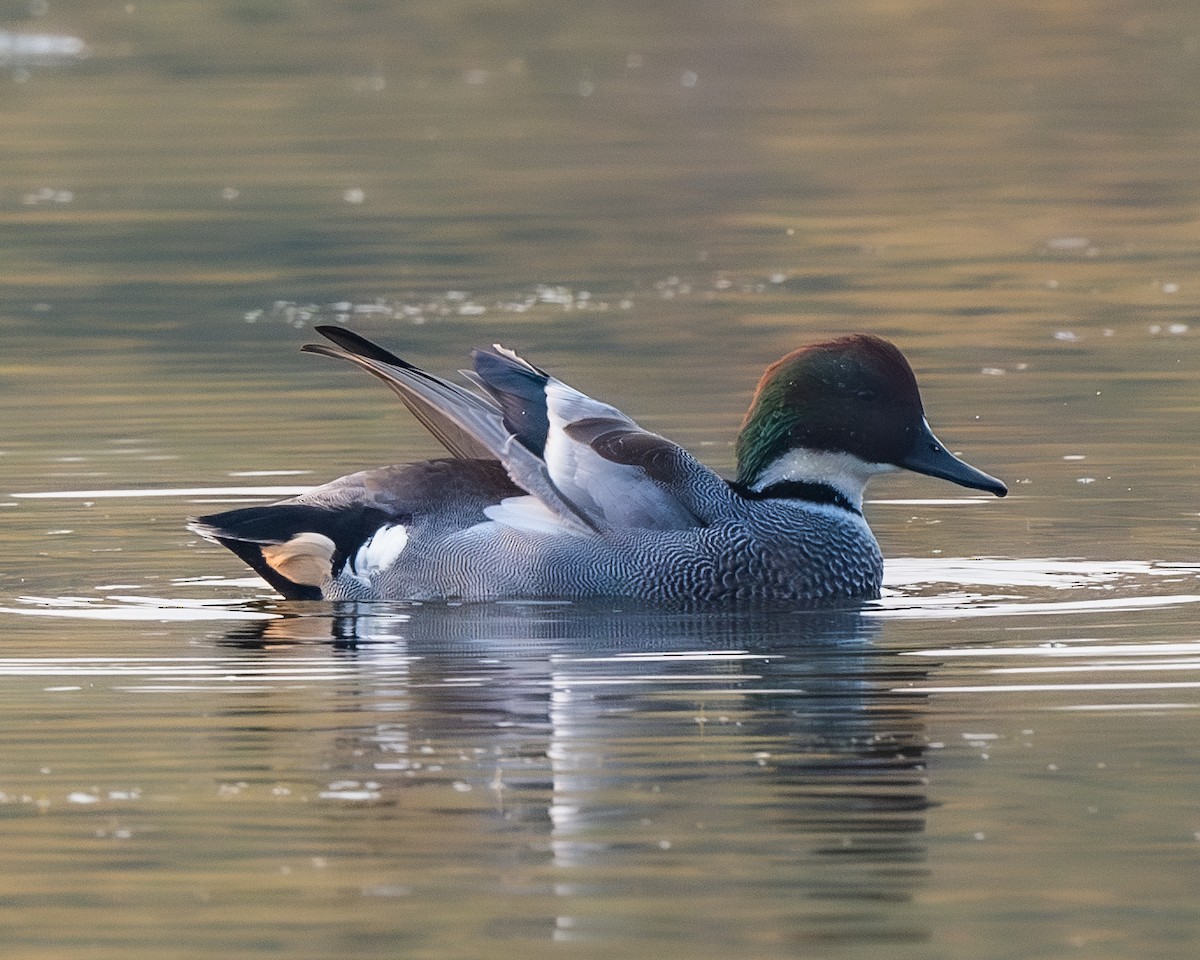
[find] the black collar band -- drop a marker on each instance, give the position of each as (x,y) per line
(798,490)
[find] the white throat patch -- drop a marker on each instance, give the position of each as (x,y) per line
(845,472)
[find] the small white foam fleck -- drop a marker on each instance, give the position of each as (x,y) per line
(268,473)
(351,790)
(353,795)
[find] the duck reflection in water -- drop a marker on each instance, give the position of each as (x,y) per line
(597,748)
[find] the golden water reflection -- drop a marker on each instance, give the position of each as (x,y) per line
(653,201)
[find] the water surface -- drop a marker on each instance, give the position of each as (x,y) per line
(653,201)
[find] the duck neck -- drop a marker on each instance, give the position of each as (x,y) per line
(801,469)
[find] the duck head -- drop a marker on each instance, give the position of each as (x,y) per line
(839,412)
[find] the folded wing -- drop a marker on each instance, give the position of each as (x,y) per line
(614,472)
(589,467)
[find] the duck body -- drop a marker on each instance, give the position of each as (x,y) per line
(551,494)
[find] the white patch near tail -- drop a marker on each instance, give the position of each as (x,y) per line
(380,550)
(305,559)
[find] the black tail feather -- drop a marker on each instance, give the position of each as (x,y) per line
(247,530)
(251,554)
(360,346)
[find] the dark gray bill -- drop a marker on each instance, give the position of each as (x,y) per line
(929,456)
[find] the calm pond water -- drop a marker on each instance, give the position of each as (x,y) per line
(654,200)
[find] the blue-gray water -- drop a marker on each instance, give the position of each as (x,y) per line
(654,201)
